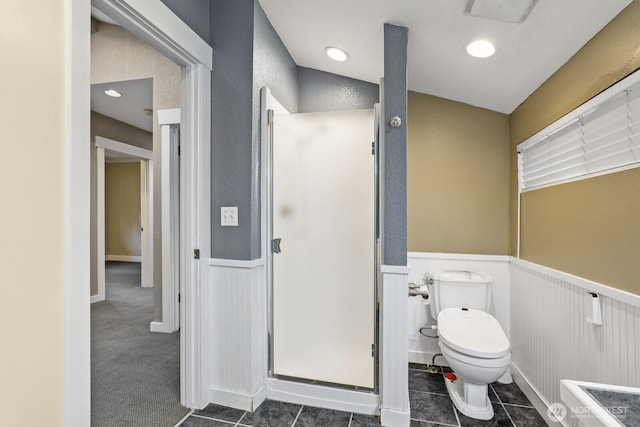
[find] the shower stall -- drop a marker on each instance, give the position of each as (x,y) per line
(321,239)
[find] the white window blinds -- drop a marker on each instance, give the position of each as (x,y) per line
(602,136)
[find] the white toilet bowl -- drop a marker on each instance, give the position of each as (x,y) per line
(477,350)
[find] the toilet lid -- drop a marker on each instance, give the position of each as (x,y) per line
(472,332)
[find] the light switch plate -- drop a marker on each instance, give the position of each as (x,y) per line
(229,216)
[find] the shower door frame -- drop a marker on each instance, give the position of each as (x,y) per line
(276,384)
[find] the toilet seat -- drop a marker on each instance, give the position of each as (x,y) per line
(481,362)
(472,333)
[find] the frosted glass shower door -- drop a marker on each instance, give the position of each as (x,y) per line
(323,279)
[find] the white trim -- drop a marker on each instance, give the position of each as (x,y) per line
(121,147)
(532,394)
(146,217)
(97,298)
(395,269)
(236,263)
(459,257)
(169,116)
(587,285)
(232,399)
(394,346)
(583,406)
(103,144)
(195,231)
(123,258)
(77,315)
(425,357)
(161,327)
(155,24)
(100,223)
(322,396)
(170,214)
(123,160)
(393,418)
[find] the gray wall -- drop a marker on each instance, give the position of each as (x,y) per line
(322,91)
(248,54)
(394,238)
(273,65)
(231,125)
(195,13)
(274,68)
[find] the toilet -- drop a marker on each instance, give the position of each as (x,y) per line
(471,340)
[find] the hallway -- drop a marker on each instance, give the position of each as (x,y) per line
(135,374)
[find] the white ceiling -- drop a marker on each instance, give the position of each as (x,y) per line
(129,108)
(526,54)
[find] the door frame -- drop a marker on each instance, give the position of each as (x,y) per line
(146,186)
(154,23)
(292,389)
(171,223)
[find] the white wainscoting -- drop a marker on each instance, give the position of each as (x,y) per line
(236,333)
(551,339)
(394,382)
(421,348)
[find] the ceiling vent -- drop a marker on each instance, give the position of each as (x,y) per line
(515,11)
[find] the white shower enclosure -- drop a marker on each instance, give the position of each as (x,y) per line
(323,210)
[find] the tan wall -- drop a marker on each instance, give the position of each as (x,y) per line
(117,55)
(458,177)
(118,131)
(122,209)
(597,203)
(32,218)
(590,227)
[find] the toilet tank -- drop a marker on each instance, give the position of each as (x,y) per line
(457,288)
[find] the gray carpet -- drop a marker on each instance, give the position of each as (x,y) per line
(135,374)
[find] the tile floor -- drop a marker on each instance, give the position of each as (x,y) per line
(430,407)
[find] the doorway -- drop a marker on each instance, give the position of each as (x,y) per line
(156,25)
(323,261)
(106,150)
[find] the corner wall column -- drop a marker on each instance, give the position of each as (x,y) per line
(394,387)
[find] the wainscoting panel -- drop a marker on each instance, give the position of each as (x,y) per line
(421,348)
(394,382)
(551,339)
(237,333)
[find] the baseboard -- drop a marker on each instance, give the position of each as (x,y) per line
(532,394)
(322,396)
(232,399)
(161,328)
(97,298)
(426,358)
(394,418)
(123,258)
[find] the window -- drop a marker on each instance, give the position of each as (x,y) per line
(601,136)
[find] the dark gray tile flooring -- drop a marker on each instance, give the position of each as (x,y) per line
(429,400)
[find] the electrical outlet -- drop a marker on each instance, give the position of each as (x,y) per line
(229,216)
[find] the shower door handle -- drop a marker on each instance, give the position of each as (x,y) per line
(275,246)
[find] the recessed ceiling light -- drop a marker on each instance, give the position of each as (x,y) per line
(481,49)
(336,53)
(113,92)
